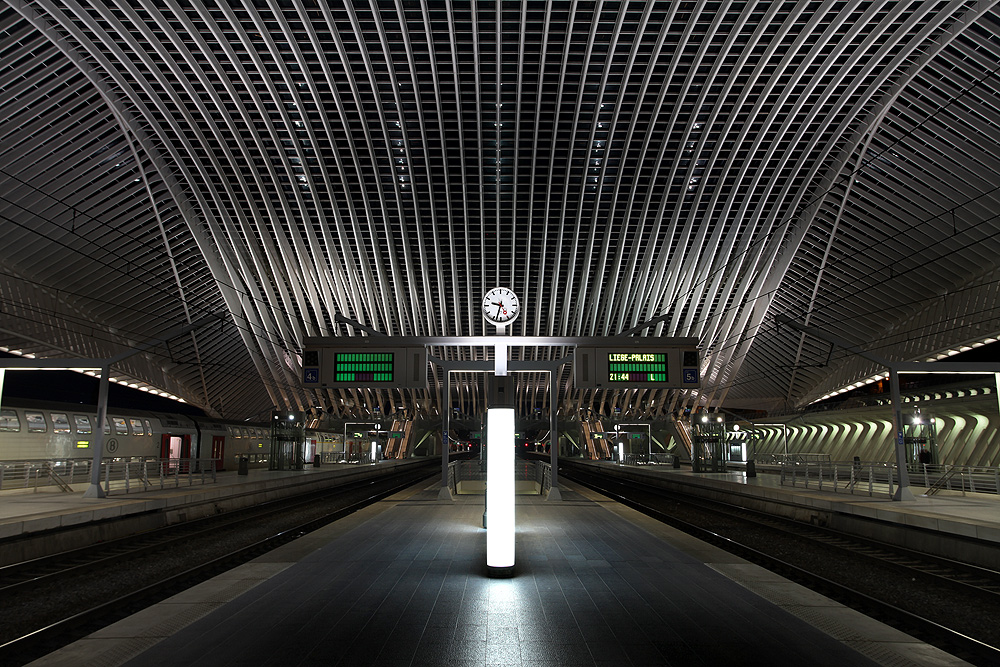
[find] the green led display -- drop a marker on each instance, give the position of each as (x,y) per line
(363,366)
(643,367)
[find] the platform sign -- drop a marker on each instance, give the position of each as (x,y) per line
(361,367)
(633,367)
(627,366)
(365,367)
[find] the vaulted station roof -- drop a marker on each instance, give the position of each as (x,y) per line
(696,166)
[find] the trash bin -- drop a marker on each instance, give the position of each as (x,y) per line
(317,461)
(244,466)
(677,461)
(751,468)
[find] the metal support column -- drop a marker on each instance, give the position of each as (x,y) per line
(444,493)
(95,490)
(554,493)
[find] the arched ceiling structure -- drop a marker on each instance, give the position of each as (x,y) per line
(697,167)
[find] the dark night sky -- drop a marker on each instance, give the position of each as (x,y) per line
(72,387)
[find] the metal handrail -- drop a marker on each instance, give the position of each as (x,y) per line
(870,478)
(875,477)
(475,470)
(116,475)
(972,479)
(791,457)
(543,475)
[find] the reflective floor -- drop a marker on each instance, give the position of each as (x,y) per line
(404,583)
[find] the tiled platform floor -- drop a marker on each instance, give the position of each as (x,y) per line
(403,583)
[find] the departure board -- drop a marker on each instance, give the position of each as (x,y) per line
(635,367)
(328,365)
(673,363)
(363,367)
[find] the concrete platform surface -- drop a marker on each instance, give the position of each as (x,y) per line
(975,515)
(25,511)
(403,582)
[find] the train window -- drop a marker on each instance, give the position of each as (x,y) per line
(149,428)
(36,422)
(82,424)
(9,421)
(107,426)
(60,422)
(136,427)
(121,428)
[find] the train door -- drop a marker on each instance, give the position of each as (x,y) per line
(173,447)
(170,446)
(219,451)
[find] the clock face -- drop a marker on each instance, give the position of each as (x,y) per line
(500,306)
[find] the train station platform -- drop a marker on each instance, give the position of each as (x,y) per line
(403,582)
(36,523)
(964,526)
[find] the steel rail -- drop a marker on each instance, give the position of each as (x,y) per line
(44,640)
(54,566)
(934,633)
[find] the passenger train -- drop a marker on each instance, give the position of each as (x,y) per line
(33,431)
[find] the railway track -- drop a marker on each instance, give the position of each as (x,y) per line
(68,593)
(23,575)
(949,604)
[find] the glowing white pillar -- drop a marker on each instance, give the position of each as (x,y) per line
(500,488)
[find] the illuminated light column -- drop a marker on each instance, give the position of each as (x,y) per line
(500,490)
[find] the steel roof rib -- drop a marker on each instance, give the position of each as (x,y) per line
(700,166)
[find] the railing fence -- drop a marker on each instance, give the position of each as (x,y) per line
(117,475)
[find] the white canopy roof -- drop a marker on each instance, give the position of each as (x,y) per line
(699,165)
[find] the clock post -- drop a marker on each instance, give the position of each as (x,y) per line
(500,307)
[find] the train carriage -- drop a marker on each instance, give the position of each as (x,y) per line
(33,431)
(62,437)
